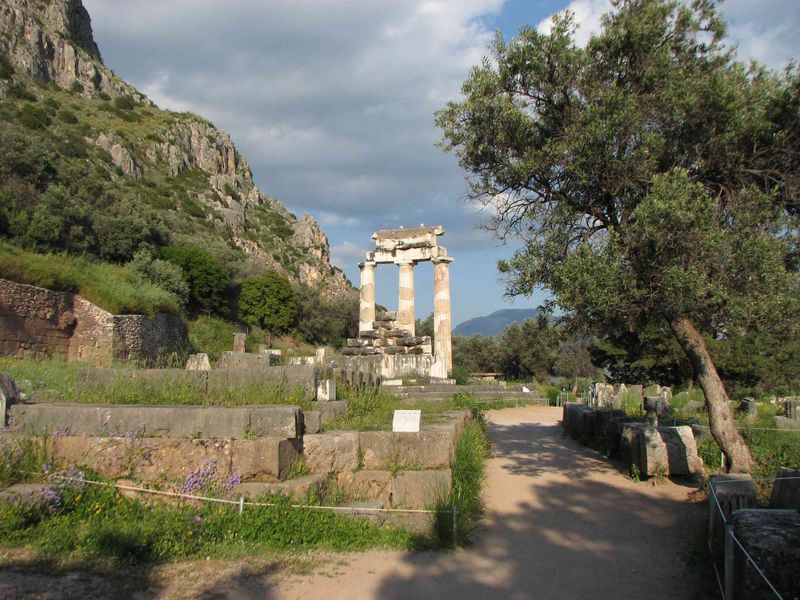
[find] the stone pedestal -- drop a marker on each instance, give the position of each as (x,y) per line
(366,313)
(405,308)
(238,342)
(442,322)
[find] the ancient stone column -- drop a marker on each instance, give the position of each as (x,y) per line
(405,307)
(366,312)
(442,322)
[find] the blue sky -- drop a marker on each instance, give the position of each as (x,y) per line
(332,104)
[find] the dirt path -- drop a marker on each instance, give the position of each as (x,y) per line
(561,522)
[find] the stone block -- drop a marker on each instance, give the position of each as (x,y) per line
(312,421)
(668,450)
(420,489)
(368,484)
(330,411)
(786,489)
(265,458)
(239,342)
(733,491)
(785,423)
(9,395)
(331,452)
(772,539)
(163,421)
(198,362)
(326,390)
(427,449)
(629,443)
(240,360)
(298,489)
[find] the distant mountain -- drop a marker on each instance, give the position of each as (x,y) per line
(494,323)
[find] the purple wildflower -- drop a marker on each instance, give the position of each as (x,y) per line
(197,518)
(61,432)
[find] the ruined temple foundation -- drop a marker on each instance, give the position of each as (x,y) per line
(394,333)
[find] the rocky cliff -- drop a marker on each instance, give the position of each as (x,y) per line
(201,181)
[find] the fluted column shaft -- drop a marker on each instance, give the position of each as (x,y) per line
(366,312)
(442,320)
(405,306)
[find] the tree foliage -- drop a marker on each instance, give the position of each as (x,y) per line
(207,278)
(650,176)
(267,301)
(328,321)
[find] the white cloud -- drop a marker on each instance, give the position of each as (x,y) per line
(346,254)
(588,14)
(334,219)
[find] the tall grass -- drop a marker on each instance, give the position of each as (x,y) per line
(64,378)
(111,287)
(469,472)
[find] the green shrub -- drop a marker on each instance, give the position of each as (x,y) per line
(166,275)
(33,117)
(460,374)
(20,91)
(267,301)
(125,102)
(76,87)
(6,68)
(67,116)
(207,278)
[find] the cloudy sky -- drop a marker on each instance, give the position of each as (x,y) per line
(332,103)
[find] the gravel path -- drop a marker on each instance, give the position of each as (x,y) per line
(561,522)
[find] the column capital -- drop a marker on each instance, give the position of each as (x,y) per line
(405,262)
(442,259)
(368,264)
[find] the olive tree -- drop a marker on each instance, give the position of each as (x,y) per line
(650,176)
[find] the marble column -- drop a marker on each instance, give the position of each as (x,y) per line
(405,306)
(442,321)
(366,312)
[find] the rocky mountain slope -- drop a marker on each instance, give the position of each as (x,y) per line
(495,323)
(176,167)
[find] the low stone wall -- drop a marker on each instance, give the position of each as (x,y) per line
(39,323)
(216,381)
(160,421)
(162,338)
(266,459)
(410,470)
(652,450)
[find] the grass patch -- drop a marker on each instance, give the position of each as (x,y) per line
(111,287)
(469,471)
(98,525)
(64,378)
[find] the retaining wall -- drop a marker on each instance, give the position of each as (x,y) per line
(39,323)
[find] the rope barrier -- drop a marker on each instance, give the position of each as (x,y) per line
(241,502)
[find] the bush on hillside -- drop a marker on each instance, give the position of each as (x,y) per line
(208,279)
(267,301)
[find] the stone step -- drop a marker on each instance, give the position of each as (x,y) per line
(454,388)
(176,421)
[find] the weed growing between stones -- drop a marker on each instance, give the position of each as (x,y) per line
(634,473)
(469,471)
(21,456)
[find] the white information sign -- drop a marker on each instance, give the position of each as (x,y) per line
(406,420)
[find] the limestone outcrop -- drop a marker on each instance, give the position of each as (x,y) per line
(51,42)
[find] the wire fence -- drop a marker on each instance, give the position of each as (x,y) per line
(726,548)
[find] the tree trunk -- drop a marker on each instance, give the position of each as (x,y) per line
(720,418)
